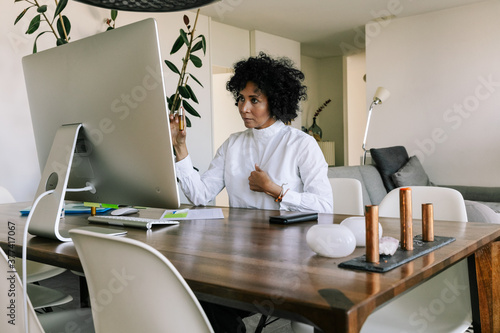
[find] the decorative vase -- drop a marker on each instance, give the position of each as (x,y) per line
(315,131)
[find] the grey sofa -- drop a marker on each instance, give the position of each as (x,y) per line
(482,203)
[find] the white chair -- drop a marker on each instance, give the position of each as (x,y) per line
(80,319)
(441,304)
(134,288)
(347,196)
(448,203)
(41,297)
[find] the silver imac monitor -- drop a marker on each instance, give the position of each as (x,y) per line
(100,119)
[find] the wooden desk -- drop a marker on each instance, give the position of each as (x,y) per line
(245,262)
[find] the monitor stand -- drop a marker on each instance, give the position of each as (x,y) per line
(46,215)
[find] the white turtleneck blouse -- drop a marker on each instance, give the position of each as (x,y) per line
(288,155)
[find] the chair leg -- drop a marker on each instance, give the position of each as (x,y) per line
(84,293)
(261,324)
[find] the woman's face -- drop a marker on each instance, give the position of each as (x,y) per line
(253,107)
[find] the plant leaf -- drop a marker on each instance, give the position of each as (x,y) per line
(34,44)
(192,76)
(60,6)
(190,109)
(114,14)
(188,122)
(196,61)
(184,37)
(177,45)
(20,16)
(170,101)
(191,93)
(34,25)
(42,9)
(186,19)
(184,92)
(204,44)
(197,46)
(172,67)
(61,41)
(67,26)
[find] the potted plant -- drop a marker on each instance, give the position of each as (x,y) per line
(179,101)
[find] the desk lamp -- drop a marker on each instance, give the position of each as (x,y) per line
(380,96)
(148,5)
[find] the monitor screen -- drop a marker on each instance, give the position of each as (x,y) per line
(112,84)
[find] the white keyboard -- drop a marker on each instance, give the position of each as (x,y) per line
(129,221)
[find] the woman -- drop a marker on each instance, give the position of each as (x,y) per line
(270,165)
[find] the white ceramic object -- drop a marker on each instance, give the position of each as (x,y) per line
(358,227)
(331,240)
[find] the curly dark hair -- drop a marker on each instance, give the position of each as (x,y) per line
(277,78)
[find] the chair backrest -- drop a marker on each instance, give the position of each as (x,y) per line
(5,196)
(134,288)
(11,297)
(347,196)
(404,312)
(448,204)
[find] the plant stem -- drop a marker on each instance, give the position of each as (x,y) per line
(48,22)
(184,65)
(63,25)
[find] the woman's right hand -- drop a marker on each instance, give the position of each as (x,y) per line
(178,138)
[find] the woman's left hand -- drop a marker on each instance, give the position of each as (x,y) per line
(259,181)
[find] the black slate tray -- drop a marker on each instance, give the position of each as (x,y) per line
(400,257)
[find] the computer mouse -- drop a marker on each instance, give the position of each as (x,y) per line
(124,211)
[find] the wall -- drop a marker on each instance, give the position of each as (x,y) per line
(311,70)
(443,72)
(355,113)
(331,118)
(19,171)
(324,81)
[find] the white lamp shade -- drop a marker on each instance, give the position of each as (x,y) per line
(382,94)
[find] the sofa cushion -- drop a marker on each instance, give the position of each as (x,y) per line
(411,174)
(388,161)
(371,182)
(477,212)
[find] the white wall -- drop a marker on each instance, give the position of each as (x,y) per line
(355,112)
(19,171)
(229,44)
(443,72)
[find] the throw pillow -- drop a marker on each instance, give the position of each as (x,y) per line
(388,161)
(411,174)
